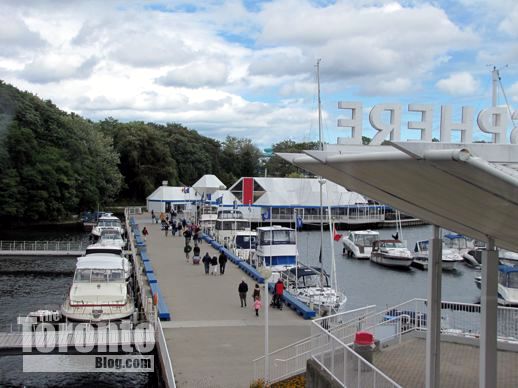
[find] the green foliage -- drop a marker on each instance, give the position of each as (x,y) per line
(278,167)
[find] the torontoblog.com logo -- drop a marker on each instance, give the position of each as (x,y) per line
(84,348)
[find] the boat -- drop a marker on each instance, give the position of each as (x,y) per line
(276,250)
(112,237)
(109,257)
(99,292)
(312,287)
(228,222)
(507,284)
(101,247)
(208,217)
(358,244)
(244,244)
(107,221)
(391,253)
(450,257)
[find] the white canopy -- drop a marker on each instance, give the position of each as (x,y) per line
(208,184)
(100,261)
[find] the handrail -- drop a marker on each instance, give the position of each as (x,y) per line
(17,246)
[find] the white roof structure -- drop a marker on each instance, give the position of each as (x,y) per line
(208,184)
(468,188)
(172,194)
(297,192)
(99,261)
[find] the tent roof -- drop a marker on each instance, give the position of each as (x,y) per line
(468,188)
(170,193)
(208,184)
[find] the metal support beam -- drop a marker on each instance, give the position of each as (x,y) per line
(489,307)
(433,320)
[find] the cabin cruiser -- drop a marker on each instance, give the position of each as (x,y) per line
(207,219)
(243,244)
(311,286)
(391,253)
(107,221)
(112,237)
(507,284)
(276,249)
(110,257)
(450,257)
(358,244)
(99,292)
(101,247)
(229,221)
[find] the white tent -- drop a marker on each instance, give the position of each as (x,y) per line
(208,184)
(165,196)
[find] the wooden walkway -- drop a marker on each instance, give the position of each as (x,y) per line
(211,339)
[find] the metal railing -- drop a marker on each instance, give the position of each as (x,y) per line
(43,246)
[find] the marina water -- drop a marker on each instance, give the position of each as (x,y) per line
(29,284)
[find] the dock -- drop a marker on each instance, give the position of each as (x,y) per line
(42,248)
(211,340)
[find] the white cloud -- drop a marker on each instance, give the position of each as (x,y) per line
(195,75)
(53,68)
(459,84)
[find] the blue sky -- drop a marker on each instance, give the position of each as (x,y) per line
(247,68)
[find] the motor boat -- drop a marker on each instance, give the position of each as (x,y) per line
(311,286)
(104,247)
(244,244)
(112,237)
(450,257)
(208,217)
(391,253)
(358,244)
(99,292)
(276,249)
(107,221)
(507,284)
(229,221)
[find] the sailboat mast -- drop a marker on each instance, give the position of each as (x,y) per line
(320,179)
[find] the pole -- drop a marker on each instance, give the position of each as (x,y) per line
(266,334)
(334,282)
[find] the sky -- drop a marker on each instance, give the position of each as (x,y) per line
(247,68)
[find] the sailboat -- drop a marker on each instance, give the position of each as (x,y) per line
(311,285)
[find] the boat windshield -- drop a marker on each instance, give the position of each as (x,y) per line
(230,215)
(364,240)
(232,225)
(109,224)
(246,242)
(509,279)
(113,251)
(312,281)
(457,243)
(87,275)
(393,244)
(279,237)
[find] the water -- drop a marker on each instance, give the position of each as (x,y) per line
(28,284)
(365,283)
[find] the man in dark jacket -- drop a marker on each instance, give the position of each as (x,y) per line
(222,262)
(206,262)
(242,289)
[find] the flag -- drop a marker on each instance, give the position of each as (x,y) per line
(266,215)
(209,195)
(248,191)
(336,236)
(298,222)
(234,204)
(219,201)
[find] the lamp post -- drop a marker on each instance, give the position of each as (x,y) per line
(266,273)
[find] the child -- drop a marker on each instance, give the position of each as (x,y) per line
(257,306)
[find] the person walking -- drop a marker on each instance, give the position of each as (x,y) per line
(257,306)
(214,265)
(279,291)
(206,262)
(166,228)
(187,235)
(242,289)
(187,249)
(145,233)
(257,292)
(153,217)
(222,262)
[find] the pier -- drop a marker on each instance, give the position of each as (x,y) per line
(42,248)
(211,340)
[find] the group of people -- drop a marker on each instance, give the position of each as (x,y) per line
(211,263)
(242,289)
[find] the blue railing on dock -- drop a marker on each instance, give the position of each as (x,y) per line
(163,310)
(290,300)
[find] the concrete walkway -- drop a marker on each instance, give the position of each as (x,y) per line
(211,339)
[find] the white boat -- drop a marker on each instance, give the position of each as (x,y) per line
(358,244)
(276,249)
(507,284)
(104,248)
(99,292)
(391,253)
(112,237)
(450,257)
(244,244)
(107,221)
(311,286)
(207,218)
(228,222)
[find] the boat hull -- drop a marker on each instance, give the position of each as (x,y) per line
(391,261)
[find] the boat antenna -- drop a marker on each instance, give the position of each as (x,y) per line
(497,81)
